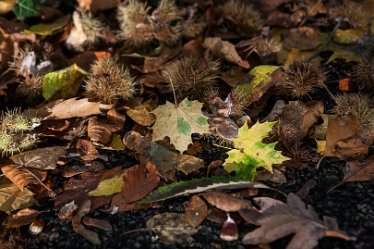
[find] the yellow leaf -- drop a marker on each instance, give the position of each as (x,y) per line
(45,29)
(108,187)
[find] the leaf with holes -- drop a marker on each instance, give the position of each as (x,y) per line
(178,123)
(251,153)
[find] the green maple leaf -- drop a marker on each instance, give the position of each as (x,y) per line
(251,153)
(178,123)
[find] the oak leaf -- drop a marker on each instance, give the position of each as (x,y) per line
(251,153)
(279,220)
(178,123)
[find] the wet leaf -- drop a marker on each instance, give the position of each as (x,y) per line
(178,123)
(195,211)
(45,29)
(225,50)
(251,153)
(170,227)
(281,220)
(12,198)
(225,202)
(138,181)
(64,83)
(41,158)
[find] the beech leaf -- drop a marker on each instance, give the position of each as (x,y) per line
(251,153)
(178,123)
(225,202)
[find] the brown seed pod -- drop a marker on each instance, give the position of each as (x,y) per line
(302,78)
(192,76)
(109,82)
(351,14)
(356,104)
(241,14)
(363,73)
(135,25)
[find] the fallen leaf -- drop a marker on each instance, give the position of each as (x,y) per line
(100,224)
(138,181)
(22,217)
(348,36)
(263,77)
(141,116)
(95,5)
(12,198)
(108,186)
(87,150)
(21,176)
(178,123)
(80,229)
(116,143)
(170,227)
(358,172)
(226,50)
(26,8)
(64,83)
(45,29)
(303,38)
(225,201)
(66,212)
(251,153)
(41,158)
(101,131)
(195,211)
(281,220)
(339,129)
(188,164)
(70,108)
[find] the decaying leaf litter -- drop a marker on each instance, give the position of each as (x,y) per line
(210,124)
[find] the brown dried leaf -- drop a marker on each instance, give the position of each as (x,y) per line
(41,158)
(225,201)
(152,64)
(141,116)
(100,131)
(281,220)
(339,129)
(80,229)
(303,38)
(195,211)
(21,176)
(188,164)
(87,150)
(12,198)
(22,217)
(225,50)
(353,147)
(138,181)
(101,224)
(70,108)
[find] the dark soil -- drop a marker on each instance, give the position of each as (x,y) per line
(352,204)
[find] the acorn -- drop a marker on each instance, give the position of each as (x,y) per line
(302,79)
(109,82)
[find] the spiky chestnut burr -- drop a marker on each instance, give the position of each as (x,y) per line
(135,25)
(237,102)
(359,105)
(241,14)
(363,73)
(192,76)
(351,15)
(16,121)
(92,27)
(302,78)
(109,82)
(167,27)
